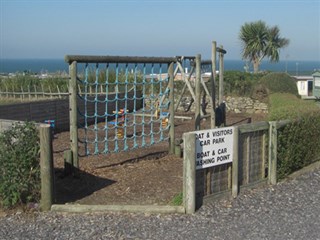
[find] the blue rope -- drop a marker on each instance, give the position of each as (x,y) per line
(124,126)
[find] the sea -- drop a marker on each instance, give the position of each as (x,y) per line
(295,68)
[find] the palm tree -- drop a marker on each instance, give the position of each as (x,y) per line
(259,41)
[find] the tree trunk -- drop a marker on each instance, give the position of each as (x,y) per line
(256,65)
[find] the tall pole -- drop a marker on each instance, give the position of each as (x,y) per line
(213,83)
(171,107)
(221,69)
(198,97)
(46,165)
(73,113)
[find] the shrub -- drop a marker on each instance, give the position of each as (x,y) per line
(19,165)
(298,144)
(279,83)
(298,141)
(240,83)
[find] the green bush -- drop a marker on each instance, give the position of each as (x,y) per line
(19,165)
(298,144)
(279,83)
(298,141)
(239,83)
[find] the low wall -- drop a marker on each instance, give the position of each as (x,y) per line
(58,110)
(6,124)
(245,105)
(233,104)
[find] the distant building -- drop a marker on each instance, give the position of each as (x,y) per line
(309,86)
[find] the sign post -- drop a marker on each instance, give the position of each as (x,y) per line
(204,149)
(214,147)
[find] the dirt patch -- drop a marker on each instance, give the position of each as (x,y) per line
(142,176)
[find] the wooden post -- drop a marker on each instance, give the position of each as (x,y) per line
(273,135)
(213,84)
(189,189)
(46,167)
(29,92)
(35,91)
(178,150)
(50,91)
(22,91)
(264,155)
(68,165)
(247,167)
(73,113)
(235,163)
(221,69)
(43,95)
(198,93)
(59,91)
(171,107)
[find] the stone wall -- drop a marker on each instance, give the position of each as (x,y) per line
(245,105)
(233,104)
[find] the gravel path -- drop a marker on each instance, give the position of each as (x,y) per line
(289,210)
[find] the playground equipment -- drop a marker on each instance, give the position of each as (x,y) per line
(120,88)
(129,84)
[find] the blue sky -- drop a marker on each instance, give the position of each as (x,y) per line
(52,29)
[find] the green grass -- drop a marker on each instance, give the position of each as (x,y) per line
(177,200)
(288,106)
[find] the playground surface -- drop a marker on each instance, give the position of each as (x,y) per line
(145,176)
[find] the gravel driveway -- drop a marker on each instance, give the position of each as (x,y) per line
(289,210)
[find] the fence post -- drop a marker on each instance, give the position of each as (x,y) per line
(273,135)
(235,163)
(46,167)
(197,92)
(73,112)
(171,107)
(189,170)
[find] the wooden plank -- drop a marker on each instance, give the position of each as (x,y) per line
(117,208)
(253,127)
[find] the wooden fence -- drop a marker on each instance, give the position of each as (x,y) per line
(33,93)
(254,162)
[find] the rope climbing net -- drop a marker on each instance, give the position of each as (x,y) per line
(122,104)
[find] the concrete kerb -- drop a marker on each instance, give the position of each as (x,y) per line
(80,208)
(312,167)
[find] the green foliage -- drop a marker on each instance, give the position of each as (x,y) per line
(25,83)
(19,165)
(279,83)
(239,83)
(259,41)
(177,199)
(298,144)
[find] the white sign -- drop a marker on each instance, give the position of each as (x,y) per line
(214,147)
